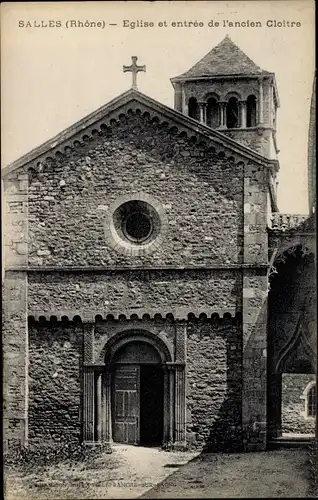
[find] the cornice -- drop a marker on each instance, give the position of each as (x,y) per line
(103,269)
(236,76)
(126,316)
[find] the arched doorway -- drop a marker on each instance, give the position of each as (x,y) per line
(291,333)
(137,394)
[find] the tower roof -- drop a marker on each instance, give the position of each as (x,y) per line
(224,59)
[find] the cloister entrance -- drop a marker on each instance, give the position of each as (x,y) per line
(291,343)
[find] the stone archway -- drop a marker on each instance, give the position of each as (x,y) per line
(291,332)
(138,370)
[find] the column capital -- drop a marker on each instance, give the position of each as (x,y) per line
(173,365)
(94,366)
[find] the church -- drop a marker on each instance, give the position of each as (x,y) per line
(153,292)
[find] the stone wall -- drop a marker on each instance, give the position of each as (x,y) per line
(260,140)
(200,192)
(294,418)
(213,383)
(15,359)
(214,386)
(134,292)
(55,364)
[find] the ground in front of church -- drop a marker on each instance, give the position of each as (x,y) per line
(133,472)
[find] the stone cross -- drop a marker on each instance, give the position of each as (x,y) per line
(134,69)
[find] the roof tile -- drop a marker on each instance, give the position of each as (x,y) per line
(224,59)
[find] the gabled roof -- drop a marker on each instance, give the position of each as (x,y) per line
(132,99)
(224,59)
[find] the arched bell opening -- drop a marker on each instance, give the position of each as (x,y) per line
(232,113)
(213,113)
(193,108)
(251,111)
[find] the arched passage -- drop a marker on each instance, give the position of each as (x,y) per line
(291,331)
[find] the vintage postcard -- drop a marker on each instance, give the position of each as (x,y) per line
(159,249)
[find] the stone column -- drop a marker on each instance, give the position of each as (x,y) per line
(89,405)
(242,105)
(260,102)
(15,310)
(180,393)
(106,407)
(185,107)
(178,97)
(180,408)
(89,384)
(202,106)
(222,105)
(171,406)
(99,406)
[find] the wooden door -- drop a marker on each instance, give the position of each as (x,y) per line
(126,404)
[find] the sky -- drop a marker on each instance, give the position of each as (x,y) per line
(52,76)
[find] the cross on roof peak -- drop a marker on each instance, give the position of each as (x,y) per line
(134,69)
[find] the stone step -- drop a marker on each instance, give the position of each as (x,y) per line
(297,442)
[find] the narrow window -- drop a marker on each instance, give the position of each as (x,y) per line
(193,108)
(212,112)
(251,111)
(311,402)
(232,116)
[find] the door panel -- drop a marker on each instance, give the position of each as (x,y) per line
(126,405)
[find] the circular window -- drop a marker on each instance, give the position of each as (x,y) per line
(136,222)
(137,226)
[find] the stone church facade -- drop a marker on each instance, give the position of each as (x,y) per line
(142,250)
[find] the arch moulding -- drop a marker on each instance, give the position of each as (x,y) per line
(126,336)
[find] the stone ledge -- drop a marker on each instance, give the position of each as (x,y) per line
(71,269)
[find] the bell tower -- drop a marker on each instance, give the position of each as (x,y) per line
(227,91)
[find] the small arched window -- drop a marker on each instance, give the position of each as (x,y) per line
(232,113)
(212,113)
(311,402)
(193,108)
(251,111)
